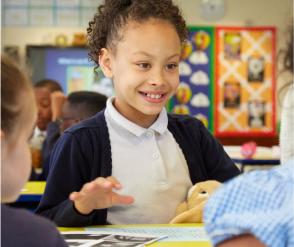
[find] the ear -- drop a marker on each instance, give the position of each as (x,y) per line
(105,62)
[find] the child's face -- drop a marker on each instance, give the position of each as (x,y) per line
(44,107)
(70,116)
(144,69)
(15,152)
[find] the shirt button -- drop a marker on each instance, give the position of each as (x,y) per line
(149,133)
(155,156)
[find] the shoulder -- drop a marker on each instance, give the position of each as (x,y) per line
(175,120)
(25,228)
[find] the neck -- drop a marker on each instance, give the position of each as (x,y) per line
(136,116)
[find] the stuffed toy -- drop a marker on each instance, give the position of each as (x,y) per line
(191,210)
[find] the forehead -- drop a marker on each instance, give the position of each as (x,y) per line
(42,92)
(69,111)
(151,36)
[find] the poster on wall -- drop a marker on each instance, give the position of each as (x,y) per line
(245,81)
(195,92)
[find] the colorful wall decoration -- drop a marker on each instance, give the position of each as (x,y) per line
(245,81)
(195,95)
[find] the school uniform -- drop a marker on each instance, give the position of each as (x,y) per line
(20,227)
(109,144)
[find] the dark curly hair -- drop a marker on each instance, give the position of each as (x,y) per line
(104,29)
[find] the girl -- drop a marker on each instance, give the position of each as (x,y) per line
(155,156)
(18,116)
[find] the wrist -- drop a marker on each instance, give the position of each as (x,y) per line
(82,209)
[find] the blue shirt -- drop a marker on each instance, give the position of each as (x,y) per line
(260,203)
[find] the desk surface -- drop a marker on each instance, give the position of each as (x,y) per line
(32,192)
(178,235)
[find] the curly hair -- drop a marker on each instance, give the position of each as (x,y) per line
(104,29)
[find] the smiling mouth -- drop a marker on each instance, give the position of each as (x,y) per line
(153,96)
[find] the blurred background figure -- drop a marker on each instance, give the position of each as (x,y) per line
(78,106)
(43,92)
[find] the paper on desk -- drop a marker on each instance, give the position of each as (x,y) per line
(108,239)
(173,233)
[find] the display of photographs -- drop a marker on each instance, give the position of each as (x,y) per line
(92,239)
(232,94)
(256,114)
(232,45)
(255,69)
(245,81)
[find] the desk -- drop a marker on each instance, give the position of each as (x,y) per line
(161,229)
(253,162)
(30,195)
(263,156)
(32,192)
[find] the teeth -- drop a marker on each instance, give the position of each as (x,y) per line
(154,96)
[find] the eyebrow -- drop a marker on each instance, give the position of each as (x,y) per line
(149,55)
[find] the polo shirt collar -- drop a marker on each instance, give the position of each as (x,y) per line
(159,126)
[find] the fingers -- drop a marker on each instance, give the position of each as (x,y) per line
(121,199)
(115,182)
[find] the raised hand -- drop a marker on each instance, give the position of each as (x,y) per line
(99,194)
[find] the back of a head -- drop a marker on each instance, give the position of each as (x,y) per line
(52,85)
(14,84)
(86,103)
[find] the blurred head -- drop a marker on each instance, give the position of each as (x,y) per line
(81,105)
(18,116)
(43,90)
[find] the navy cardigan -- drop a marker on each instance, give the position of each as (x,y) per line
(83,153)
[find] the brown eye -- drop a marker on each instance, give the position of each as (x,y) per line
(144,65)
(171,66)
(203,192)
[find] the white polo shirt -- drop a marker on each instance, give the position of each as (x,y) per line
(151,167)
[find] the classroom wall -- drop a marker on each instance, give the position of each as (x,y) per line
(237,12)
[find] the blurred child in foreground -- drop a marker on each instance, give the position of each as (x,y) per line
(18,115)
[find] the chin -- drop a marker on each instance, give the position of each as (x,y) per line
(153,111)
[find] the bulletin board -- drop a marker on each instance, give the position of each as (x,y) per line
(195,92)
(245,81)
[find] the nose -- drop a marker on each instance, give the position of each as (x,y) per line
(158,78)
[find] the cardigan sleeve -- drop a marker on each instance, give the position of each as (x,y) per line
(205,156)
(70,167)
(218,164)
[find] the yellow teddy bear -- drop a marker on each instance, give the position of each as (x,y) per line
(191,210)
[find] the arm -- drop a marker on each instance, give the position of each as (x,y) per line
(70,168)
(242,241)
(218,164)
(287,127)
